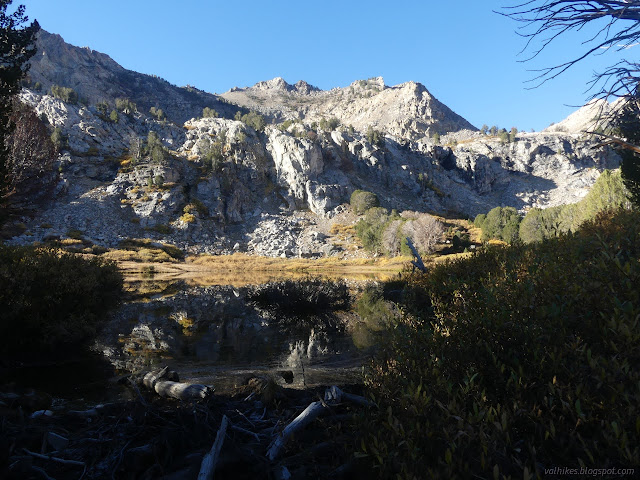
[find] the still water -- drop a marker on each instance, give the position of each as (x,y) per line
(208,329)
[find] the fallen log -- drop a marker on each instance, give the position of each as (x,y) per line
(63,461)
(209,461)
(306,417)
(332,396)
(165,383)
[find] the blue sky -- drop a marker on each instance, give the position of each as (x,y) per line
(466,55)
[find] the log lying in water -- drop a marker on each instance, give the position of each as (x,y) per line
(166,384)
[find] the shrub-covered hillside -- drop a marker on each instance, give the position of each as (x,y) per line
(526,358)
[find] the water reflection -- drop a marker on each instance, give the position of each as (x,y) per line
(209,330)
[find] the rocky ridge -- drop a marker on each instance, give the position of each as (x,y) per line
(96,77)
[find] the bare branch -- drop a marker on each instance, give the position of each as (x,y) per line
(543,21)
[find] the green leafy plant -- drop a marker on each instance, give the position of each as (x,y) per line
(361,201)
(520,358)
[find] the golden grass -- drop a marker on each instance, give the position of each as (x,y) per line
(494,241)
(143,255)
(144,250)
(338,228)
(242,262)
(188,218)
(71,241)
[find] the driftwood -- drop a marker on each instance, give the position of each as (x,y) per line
(332,395)
(165,383)
(417,261)
(63,461)
(306,417)
(209,461)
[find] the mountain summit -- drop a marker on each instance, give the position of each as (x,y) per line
(407,110)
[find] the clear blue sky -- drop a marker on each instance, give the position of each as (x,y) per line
(465,54)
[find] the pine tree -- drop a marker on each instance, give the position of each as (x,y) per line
(17,46)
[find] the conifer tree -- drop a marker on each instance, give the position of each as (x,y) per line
(17,46)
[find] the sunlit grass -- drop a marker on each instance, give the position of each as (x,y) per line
(242,262)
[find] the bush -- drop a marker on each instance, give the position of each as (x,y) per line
(608,192)
(424,230)
(361,201)
(67,95)
(375,137)
(372,308)
(252,119)
(330,124)
(157,113)
(102,109)
(371,228)
(209,113)
(501,224)
(53,301)
(527,357)
(126,106)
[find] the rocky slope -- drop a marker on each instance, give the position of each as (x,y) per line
(224,186)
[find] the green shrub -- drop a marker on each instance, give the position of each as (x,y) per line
(479,220)
(103,109)
(157,113)
(67,95)
(608,192)
(330,124)
(208,112)
(372,308)
(126,106)
(58,139)
(52,302)
(371,228)
(524,358)
(501,224)
(361,201)
(251,119)
(375,137)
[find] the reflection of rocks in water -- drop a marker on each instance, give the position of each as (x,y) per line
(302,352)
(213,329)
(204,323)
